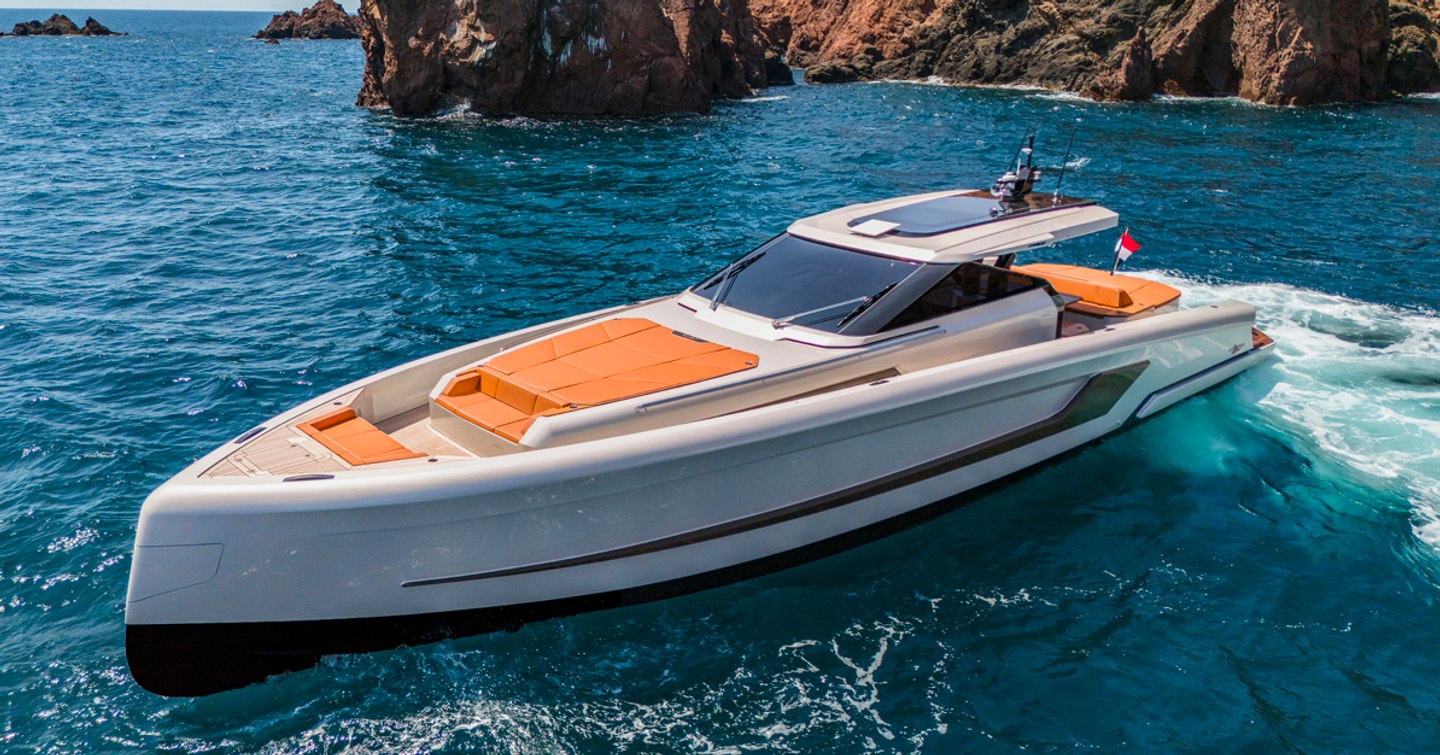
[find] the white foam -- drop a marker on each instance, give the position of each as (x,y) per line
(458,112)
(1069,97)
(1187,99)
(1358,382)
(928,81)
(831,686)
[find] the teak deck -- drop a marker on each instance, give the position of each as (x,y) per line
(285,450)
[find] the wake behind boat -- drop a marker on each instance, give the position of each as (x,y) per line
(847,379)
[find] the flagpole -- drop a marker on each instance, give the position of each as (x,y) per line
(1119,244)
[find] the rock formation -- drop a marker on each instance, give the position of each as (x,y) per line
(1414,64)
(613,57)
(1133,80)
(323,20)
(1305,52)
(93,28)
(1197,54)
(61,26)
(811,31)
(558,57)
(777,71)
(1283,52)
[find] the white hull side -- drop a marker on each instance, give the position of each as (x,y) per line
(346,548)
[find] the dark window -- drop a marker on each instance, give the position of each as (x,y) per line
(967,285)
(817,285)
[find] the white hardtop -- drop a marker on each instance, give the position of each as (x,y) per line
(1040,221)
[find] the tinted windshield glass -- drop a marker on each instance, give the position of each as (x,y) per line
(791,276)
(968,285)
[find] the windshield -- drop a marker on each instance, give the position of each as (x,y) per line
(791,276)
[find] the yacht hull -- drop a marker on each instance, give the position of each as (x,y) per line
(235,581)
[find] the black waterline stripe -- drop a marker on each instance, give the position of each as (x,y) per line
(1094,400)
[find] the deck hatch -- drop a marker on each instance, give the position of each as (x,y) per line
(932,216)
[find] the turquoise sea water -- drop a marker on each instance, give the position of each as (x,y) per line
(198,231)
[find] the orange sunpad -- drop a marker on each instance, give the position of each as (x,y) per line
(599,363)
(1109,294)
(355,440)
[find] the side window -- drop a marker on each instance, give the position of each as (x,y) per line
(967,285)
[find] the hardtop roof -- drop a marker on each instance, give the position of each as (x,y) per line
(955,226)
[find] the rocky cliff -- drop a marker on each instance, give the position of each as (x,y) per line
(616,57)
(815,31)
(323,20)
(558,57)
(1284,52)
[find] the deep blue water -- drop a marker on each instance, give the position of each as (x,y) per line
(198,231)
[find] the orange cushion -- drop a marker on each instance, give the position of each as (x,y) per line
(355,440)
(601,362)
(485,411)
(1124,294)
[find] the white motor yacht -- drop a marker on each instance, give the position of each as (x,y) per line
(869,369)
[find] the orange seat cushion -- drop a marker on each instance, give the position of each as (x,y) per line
(599,363)
(355,440)
(1113,294)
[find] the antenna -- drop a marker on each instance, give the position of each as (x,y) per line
(1026,151)
(1064,164)
(1016,183)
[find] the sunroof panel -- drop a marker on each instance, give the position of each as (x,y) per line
(936,215)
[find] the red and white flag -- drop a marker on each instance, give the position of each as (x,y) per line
(1126,246)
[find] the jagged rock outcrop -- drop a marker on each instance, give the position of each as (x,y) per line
(1045,43)
(810,31)
(1283,52)
(93,28)
(614,57)
(777,71)
(323,20)
(1305,52)
(1414,64)
(558,57)
(1196,56)
(61,26)
(1133,80)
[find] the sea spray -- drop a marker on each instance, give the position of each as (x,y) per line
(1359,382)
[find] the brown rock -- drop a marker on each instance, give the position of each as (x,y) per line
(558,57)
(777,71)
(811,32)
(61,26)
(55,26)
(1045,43)
(1275,51)
(1304,52)
(1196,57)
(1134,80)
(832,73)
(94,28)
(599,56)
(323,20)
(1414,60)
